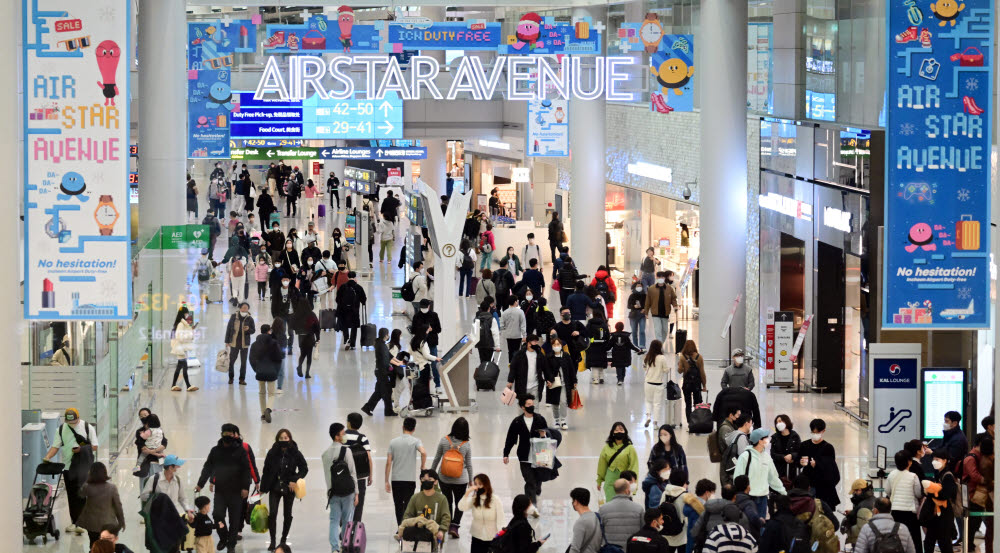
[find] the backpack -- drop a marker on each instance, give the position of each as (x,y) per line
(714,451)
(795,535)
(348,298)
(886,543)
(821,533)
(406,291)
(604,290)
(237,268)
(361,466)
(605,547)
(484,244)
(467,263)
(673,522)
(453,462)
(729,457)
(341,481)
(692,376)
(545,321)
(485,331)
(204,271)
(503,286)
(501,543)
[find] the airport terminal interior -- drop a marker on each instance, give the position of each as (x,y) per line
(457,277)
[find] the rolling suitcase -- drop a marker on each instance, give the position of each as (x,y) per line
(322,213)
(327,319)
(701,419)
(368,331)
(680,338)
(274,218)
(355,539)
(486,375)
(213,291)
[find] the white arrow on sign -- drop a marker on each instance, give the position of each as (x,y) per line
(270,153)
(387,127)
(386,107)
(326,153)
(379,152)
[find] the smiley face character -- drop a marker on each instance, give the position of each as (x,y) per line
(920,236)
(947,11)
(72,184)
(108,54)
(673,73)
(219,94)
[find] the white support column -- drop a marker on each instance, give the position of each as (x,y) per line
(789,59)
(13,326)
(162,104)
(432,169)
(588,246)
(723,173)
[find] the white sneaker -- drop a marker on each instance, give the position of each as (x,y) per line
(565,426)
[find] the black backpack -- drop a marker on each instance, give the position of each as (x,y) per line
(500,278)
(361,466)
(467,262)
(692,375)
(502,542)
(886,543)
(673,523)
(796,536)
(406,291)
(604,290)
(341,481)
(348,298)
(486,332)
(545,321)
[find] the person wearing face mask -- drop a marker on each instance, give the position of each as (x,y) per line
(275,241)
(861,511)
(560,381)
(425,316)
(621,516)
(572,333)
(486,511)
(617,455)
(307,328)
(289,256)
(656,481)
(228,465)
(530,251)
(181,345)
(283,303)
(903,489)
(703,491)
(265,359)
(648,539)
(529,371)
(283,467)
(660,300)
(757,465)
(513,262)
(636,319)
(77,440)
(666,447)
(239,330)
(736,443)
(953,441)
(677,496)
(818,460)
(936,514)
(427,504)
(533,279)
(513,326)
(738,374)
(341,477)
(784,447)
(350,298)
(140,444)
(524,427)
(648,267)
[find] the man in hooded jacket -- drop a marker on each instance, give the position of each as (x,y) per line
(228,465)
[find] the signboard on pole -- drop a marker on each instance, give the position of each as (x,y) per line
(939,63)
(77,263)
(894,403)
(769,349)
(784,334)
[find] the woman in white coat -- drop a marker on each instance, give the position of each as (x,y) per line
(657,371)
(181,344)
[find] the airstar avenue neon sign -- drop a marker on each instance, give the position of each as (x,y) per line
(305,76)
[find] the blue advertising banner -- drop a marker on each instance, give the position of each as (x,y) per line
(548,128)
(210,99)
(320,35)
(672,66)
(544,35)
(452,35)
(937,200)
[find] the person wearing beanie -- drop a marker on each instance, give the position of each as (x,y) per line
(861,511)
(759,468)
(738,374)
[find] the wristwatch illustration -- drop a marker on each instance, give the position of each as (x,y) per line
(650,32)
(106,215)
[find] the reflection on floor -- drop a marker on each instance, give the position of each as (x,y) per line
(341,382)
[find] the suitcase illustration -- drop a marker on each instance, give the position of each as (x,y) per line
(967,234)
(582,30)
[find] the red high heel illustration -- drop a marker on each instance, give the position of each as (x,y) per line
(909,35)
(970,106)
(925,38)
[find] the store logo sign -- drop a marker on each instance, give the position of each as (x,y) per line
(650,171)
(786,206)
(521,174)
(837,219)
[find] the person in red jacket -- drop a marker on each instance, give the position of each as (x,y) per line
(606,288)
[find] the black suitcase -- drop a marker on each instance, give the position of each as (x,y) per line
(420,397)
(368,331)
(701,419)
(327,319)
(680,338)
(486,375)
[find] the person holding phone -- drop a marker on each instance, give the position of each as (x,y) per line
(486,511)
(181,344)
(521,536)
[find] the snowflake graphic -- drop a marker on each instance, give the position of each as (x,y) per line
(963,194)
(907,129)
(972,83)
(108,13)
(964,293)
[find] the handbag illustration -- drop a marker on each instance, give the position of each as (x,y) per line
(967,234)
(970,57)
(313,40)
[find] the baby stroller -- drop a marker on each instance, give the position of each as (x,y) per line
(37,515)
(422,403)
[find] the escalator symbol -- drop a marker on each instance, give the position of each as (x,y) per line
(895,420)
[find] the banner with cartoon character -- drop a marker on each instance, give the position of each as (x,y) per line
(76,154)
(544,35)
(937,200)
(211,47)
(548,128)
(672,66)
(320,35)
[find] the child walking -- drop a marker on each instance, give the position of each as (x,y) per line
(621,350)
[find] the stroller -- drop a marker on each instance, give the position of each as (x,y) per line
(37,514)
(422,403)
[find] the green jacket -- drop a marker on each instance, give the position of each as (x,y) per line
(433,508)
(626,460)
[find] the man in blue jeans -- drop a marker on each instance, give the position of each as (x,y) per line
(341,486)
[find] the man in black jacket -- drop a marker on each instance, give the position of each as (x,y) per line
(521,430)
(333,187)
(740,397)
(350,297)
(572,333)
(240,328)
(284,299)
(384,379)
(229,468)
(425,316)
(266,358)
(390,207)
(275,239)
(528,369)
(504,281)
(648,539)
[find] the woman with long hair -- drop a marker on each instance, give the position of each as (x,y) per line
(657,371)
(691,367)
(486,511)
(522,535)
(180,345)
(666,447)
(452,481)
(283,467)
(103,505)
(401,383)
(617,456)
(308,332)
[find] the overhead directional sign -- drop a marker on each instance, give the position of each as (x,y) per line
(317,119)
(372,153)
(273,153)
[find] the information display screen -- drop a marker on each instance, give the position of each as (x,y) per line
(943,391)
(316,118)
(455,349)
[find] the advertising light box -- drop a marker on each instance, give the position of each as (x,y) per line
(317,119)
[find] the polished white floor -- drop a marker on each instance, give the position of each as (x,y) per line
(342,381)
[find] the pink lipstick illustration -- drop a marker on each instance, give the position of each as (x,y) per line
(48,294)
